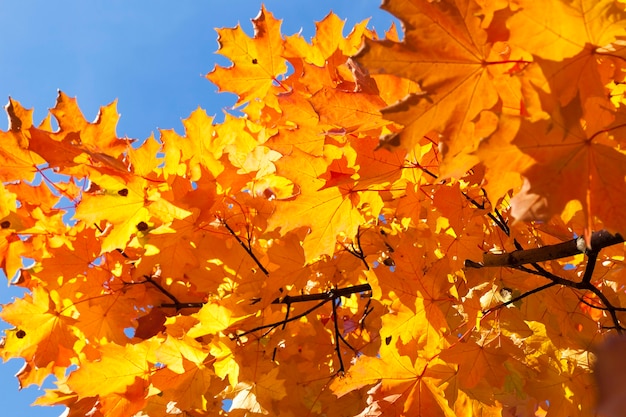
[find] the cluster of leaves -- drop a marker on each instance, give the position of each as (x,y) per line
(284,261)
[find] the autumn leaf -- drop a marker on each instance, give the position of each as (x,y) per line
(328,39)
(42,334)
(478,362)
(257,61)
(126,403)
(403,387)
(445,51)
(139,202)
(572,153)
(17,161)
(212,319)
(281,261)
(115,371)
(542,30)
(191,385)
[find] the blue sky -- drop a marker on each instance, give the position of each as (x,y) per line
(150,55)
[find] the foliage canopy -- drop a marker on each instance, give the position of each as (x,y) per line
(389,229)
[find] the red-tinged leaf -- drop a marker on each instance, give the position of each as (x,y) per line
(150,324)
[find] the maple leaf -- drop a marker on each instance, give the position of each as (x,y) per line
(126,403)
(403,387)
(282,261)
(117,369)
(212,319)
(445,51)
(352,112)
(139,201)
(78,141)
(330,206)
(328,39)
(17,162)
(257,61)
(190,385)
(541,29)
(569,151)
(42,335)
(477,362)
(247,395)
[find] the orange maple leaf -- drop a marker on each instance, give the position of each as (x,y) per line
(541,28)
(403,386)
(570,150)
(257,61)
(16,161)
(446,51)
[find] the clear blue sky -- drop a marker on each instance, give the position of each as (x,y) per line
(150,55)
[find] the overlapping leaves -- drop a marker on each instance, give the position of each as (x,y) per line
(172,274)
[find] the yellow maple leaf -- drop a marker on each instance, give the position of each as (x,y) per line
(117,369)
(43,335)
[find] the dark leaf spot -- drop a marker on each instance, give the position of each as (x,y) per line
(123,192)
(142,226)
(20,334)
(5,224)
(254,61)
(388,340)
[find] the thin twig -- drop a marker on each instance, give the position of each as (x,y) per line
(247,248)
(519,297)
(163,290)
(289,299)
(358,250)
(293,318)
(341,369)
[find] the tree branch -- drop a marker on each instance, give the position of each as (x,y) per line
(247,248)
(289,299)
(341,369)
(599,240)
(272,326)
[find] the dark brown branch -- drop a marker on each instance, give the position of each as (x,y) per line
(517,259)
(592,256)
(496,218)
(549,275)
(366,311)
(163,290)
(587,303)
(599,240)
(358,250)
(325,297)
(272,326)
(335,293)
(610,308)
(288,299)
(341,369)
(332,296)
(247,248)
